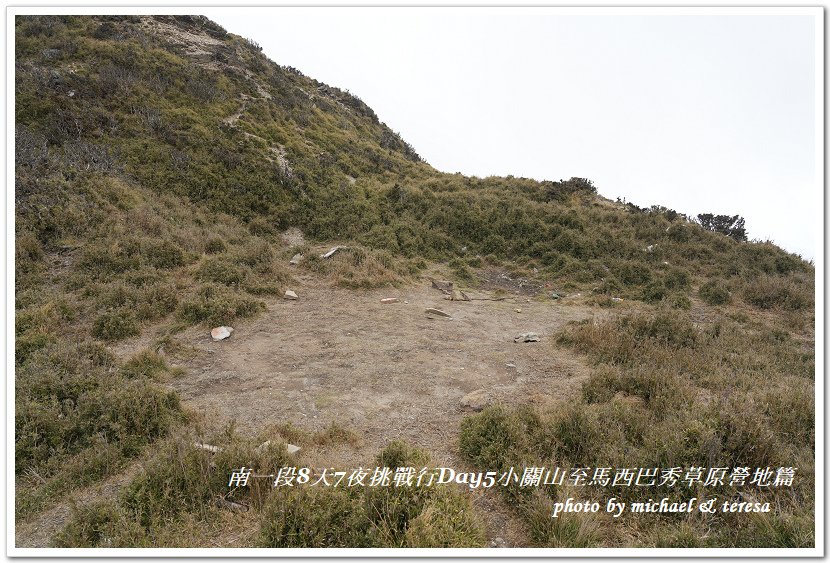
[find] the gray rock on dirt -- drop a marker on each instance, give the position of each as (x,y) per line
(290,295)
(388,300)
(296,259)
(221,333)
(527,337)
(442,286)
(437,313)
(475,401)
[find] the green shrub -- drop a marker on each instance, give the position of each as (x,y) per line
(156,302)
(381,516)
(89,526)
(115,326)
(102,261)
(145,364)
(309,517)
(654,292)
(715,292)
(222,270)
(767,292)
(215,245)
(666,328)
(676,278)
(447,521)
(217,306)
(633,273)
(568,530)
(165,255)
(491,438)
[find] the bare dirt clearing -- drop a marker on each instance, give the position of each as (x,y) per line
(385,371)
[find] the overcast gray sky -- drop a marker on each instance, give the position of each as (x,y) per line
(700,113)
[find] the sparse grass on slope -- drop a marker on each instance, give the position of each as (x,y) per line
(666,393)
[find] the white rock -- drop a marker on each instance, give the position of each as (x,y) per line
(221,333)
(290,295)
(208,447)
(296,259)
(292,449)
(330,252)
(389,300)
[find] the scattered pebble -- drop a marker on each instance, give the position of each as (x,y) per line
(527,337)
(438,312)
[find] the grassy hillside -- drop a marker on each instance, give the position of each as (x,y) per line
(159,159)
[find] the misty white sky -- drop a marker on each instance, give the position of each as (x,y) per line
(700,113)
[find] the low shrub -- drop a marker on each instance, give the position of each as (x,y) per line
(382,516)
(217,306)
(715,292)
(767,292)
(222,270)
(115,326)
(164,255)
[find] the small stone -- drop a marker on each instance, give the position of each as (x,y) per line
(527,337)
(518,310)
(330,252)
(458,295)
(207,447)
(444,286)
(221,333)
(474,401)
(616,299)
(290,295)
(390,300)
(260,448)
(438,313)
(511,366)
(292,449)
(296,259)
(231,505)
